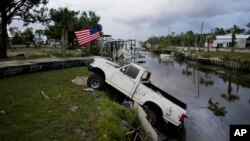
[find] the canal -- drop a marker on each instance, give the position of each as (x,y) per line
(213,103)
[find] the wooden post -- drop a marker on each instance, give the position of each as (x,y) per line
(88,48)
(101,46)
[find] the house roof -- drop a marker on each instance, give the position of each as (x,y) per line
(229,36)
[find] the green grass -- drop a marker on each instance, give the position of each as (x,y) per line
(227,55)
(26,114)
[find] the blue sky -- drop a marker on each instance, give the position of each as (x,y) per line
(141,19)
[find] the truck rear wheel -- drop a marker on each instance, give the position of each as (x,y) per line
(95,81)
(151,117)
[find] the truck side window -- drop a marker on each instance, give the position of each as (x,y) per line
(132,71)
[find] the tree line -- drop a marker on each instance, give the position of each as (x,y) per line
(60,23)
(191,39)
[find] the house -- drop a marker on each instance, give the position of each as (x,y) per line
(242,41)
(40,38)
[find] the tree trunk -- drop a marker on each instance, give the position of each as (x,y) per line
(3,36)
(8,42)
(208,45)
(66,42)
(233,41)
(232,49)
(63,42)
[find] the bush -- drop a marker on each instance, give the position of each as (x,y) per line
(226,57)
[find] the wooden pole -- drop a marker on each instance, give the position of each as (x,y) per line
(201,35)
(88,46)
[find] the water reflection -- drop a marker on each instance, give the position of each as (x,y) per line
(206,81)
(230,96)
(168,64)
(186,71)
(203,80)
(215,107)
(180,62)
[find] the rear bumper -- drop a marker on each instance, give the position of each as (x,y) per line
(179,126)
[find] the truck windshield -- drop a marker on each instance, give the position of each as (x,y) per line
(132,71)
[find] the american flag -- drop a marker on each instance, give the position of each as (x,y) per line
(87,35)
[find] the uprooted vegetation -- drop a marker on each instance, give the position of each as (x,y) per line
(48,106)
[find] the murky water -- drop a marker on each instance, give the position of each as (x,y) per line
(213,103)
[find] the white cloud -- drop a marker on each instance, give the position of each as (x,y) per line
(144,18)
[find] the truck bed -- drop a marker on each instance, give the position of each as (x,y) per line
(166,95)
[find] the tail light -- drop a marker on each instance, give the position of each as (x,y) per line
(183,116)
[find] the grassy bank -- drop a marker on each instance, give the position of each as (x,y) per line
(227,56)
(47,52)
(37,53)
(48,106)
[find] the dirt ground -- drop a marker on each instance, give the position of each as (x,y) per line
(44,51)
(80,80)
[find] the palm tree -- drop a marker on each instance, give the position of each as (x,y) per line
(230,96)
(87,20)
(64,18)
(93,18)
(233,39)
(210,39)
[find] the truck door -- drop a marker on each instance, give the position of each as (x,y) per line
(125,79)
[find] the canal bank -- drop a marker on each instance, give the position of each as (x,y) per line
(225,67)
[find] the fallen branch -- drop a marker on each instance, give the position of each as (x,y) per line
(129,134)
(44,94)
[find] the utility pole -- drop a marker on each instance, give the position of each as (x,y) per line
(201,35)
(233,39)
(169,36)
(134,46)
(195,44)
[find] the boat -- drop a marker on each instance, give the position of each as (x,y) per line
(167,56)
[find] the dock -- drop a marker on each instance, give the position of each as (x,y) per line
(10,68)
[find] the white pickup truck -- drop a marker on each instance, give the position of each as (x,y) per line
(133,81)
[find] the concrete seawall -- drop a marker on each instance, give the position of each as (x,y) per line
(10,68)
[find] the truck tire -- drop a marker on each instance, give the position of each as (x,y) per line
(95,81)
(151,117)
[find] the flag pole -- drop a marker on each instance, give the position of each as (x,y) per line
(101,44)
(88,47)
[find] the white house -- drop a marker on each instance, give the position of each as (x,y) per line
(41,38)
(242,41)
